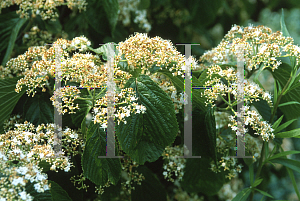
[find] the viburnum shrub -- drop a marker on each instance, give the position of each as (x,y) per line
(149,106)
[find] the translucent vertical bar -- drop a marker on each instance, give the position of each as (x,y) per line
(57,115)
(240,135)
(110,102)
(188,129)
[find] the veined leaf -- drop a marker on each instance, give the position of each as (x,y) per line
(145,136)
(58,193)
(84,108)
(177,81)
(289,134)
(211,131)
(45,196)
(99,170)
(38,110)
(8,98)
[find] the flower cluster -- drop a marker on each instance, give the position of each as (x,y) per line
(227,164)
(230,190)
(252,118)
(44,8)
(253,146)
(79,181)
(125,104)
(215,73)
(261,46)
(126,7)
(166,85)
(142,52)
(22,150)
(130,175)
(11,121)
(68,95)
(37,37)
(181,195)
(174,165)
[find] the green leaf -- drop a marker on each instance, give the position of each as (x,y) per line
(111,8)
(96,16)
(8,98)
(263,108)
(144,4)
(177,81)
(289,134)
(58,193)
(289,103)
(256,80)
(53,27)
(283,27)
(7,23)
(84,108)
(282,74)
(211,132)
(150,188)
(45,196)
(285,153)
(38,110)
(242,195)
(45,165)
(103,50)
(257,182)
(283,126)
(12,39)
(198,177)
(276,124)
(145,136)
(264,193)
(99,170)
(292,164)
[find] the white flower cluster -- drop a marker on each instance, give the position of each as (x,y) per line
(22,150)
(126,7)
(80,43)
(173,165)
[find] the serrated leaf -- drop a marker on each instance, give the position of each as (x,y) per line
(99,170)
(177,81)
(145,136)
(198,177)
(146,190)
(289,134)
(102,50)
(38,110)
(242,195)
(8,98)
